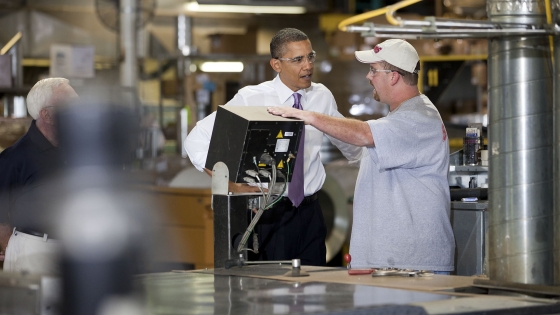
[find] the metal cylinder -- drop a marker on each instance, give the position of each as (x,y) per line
(129,65)
(184,45)
(184,34)
(556,19)
(521,146)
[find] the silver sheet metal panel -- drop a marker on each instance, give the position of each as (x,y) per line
(191,293)
(521,148)
(239,292)
(469,221)
(267,290)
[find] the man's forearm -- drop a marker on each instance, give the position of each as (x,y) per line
(351,131)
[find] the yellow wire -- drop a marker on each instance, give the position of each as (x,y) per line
(368,15)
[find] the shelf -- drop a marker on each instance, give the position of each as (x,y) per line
(468,168)
(480,205)
(15,91)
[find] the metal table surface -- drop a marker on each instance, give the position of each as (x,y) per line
(219,292)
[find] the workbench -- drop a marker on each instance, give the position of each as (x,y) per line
(264,289)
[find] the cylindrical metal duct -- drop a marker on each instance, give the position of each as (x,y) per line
(521,145)
(556,19)
(184,45)
(129,65)
(184,34)
(17,66)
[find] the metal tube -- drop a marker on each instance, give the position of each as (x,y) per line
(184,34)
(401,32)
(449,23)
(520,174)
(129,72)
(184,45)
(17,66)
(555,4)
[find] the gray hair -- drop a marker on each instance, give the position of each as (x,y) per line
(283,37)
(41,94)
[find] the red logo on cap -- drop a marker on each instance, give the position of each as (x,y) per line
(377,49)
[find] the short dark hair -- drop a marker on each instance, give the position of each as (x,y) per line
(409,78)
(283,37)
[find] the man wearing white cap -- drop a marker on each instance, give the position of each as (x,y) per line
(401,201)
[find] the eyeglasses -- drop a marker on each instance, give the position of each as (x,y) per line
(299,59)
(373,71)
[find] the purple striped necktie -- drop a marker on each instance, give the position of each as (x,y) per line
(295,191)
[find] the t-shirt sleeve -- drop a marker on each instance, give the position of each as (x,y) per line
(395,141)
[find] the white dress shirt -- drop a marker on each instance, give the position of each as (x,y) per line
(316,98)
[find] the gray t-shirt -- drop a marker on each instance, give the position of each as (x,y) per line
(402,203)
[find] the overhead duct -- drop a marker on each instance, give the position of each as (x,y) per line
(521,145)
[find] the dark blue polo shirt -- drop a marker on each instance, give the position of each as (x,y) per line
(26,171)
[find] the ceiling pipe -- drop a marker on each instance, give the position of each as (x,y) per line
(389,31)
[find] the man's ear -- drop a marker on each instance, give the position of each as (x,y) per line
(395,77)
(47,116)
(275,64)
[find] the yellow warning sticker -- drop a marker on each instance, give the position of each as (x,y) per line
(262,165)
(279,135)
(281,164)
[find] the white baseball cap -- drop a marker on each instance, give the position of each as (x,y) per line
(397,52)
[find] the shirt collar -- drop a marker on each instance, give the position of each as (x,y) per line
(38,138)
(284,92)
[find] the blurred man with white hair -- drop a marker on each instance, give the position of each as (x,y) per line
(25,168)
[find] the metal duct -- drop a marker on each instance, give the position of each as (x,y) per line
(129,72)
(184,34)
(521,144)
(555,4)
(185,47)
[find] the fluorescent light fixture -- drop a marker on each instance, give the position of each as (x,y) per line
(221,66)
(222,8)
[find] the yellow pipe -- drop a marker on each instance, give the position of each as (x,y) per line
(393,8)
(549,21)
(368,15)
(360,17)
(11,43)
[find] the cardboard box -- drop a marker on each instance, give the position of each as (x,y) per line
(234,44)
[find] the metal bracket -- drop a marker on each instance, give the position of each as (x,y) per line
(220,179)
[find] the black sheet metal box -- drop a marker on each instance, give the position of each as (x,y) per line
(242,134)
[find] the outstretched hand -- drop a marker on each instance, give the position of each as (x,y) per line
(289,112)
